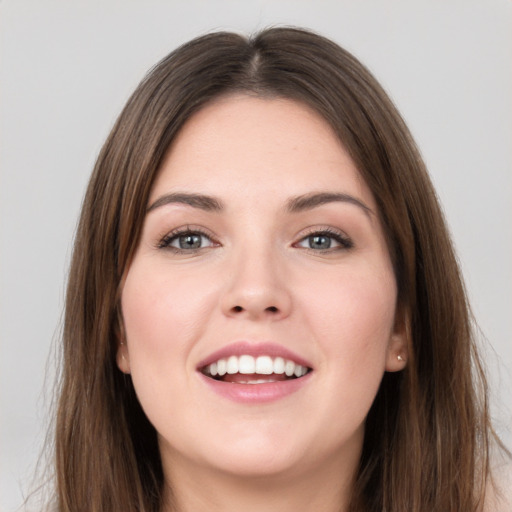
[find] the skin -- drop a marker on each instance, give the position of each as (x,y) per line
(258,277)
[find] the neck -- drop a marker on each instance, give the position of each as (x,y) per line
(199,489)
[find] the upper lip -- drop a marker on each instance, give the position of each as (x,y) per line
(241,348)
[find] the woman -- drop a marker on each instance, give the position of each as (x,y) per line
(264,308)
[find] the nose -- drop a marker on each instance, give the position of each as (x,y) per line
(257,289)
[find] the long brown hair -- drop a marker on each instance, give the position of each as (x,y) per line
(428,431)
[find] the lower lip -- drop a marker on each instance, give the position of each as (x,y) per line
(255,393)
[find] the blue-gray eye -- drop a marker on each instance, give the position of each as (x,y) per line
(189,241)
(186,241)
(319,242)
(325,241)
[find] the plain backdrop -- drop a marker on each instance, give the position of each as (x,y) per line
(66,69)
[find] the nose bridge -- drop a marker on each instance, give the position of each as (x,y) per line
(256,288)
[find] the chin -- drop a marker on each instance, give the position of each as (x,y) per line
(257,454)
(256,466)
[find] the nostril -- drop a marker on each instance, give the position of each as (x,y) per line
(241,309)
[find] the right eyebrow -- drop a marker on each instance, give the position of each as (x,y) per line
(315,199)
(200,201)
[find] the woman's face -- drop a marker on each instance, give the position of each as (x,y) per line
(262,256)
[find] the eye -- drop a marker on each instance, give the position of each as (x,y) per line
(186,240)
(325,241)
(189,241)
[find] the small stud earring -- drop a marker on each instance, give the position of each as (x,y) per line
(399,357)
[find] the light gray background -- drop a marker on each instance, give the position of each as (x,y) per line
(67,68)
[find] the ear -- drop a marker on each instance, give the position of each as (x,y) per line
(398,346)
(122,355)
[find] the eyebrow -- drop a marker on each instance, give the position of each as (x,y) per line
(313,200)
(207,203)
(293,205)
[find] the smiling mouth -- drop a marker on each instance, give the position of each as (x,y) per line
(246,369)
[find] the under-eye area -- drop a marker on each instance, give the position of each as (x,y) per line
(246,369)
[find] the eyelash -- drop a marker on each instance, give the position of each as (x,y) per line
(345,242)
(169,238)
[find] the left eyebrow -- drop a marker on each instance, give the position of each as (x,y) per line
(313,200)
(200,201)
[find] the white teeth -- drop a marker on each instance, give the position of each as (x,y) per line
(258,381)
(221,367)
(299,370)
(289,368)
(232,365)
(262,365)
(246,365)
(279,365)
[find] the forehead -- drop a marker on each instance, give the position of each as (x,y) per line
(258,147)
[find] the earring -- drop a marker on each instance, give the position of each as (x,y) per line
(399,357)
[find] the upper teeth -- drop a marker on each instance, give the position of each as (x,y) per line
(263,365)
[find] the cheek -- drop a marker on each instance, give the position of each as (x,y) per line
(358,298)
(352,317)
(163,317)
(159,306)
